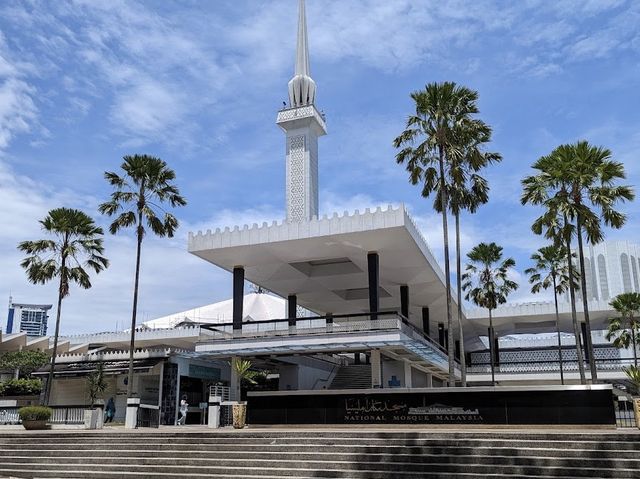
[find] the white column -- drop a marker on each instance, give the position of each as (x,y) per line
(408,381)
(429,380)
(131,419)
(214,412)
(234,391)
(376,369)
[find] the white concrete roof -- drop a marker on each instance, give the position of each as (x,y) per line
(257,307)
(537,317)
(324,261)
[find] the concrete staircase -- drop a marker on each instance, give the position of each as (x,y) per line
(338,453)
(354,376)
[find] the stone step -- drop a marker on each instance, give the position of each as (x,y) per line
(267,450)
(54,435)
(356,470)
(72,474)
(384,461)
(240,440)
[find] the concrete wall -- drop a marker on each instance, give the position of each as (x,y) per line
(305,373)
(418,378)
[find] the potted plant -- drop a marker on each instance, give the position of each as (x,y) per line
(96,385)
(34,417)
(633,373)
(242,369)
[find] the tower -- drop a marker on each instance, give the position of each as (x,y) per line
(303,124)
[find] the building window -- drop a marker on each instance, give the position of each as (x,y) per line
(634,270)
(626,274)
(602,272)
(588,278)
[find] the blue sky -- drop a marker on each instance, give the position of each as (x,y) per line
(83,83)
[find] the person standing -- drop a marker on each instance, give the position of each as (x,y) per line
(110,410)
(184,407)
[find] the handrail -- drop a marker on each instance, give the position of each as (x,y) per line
(213,327)
(327,378)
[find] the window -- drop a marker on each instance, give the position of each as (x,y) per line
(626,274)
(602,272)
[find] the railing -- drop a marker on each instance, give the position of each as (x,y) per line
(9,415)
(59,415)
(548,366)
(148,416)
(222,392)
(342,323)
(625,414)
(67,414)
(316,325)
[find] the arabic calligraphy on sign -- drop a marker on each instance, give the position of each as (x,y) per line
(372,406)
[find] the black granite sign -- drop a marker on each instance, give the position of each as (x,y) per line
(593,407)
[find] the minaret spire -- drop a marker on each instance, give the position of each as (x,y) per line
(302,88)
(302,50)
(303,124)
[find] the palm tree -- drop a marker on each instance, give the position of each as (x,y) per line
(487,284)
(467,190)
(551,270)
(147,183)
(443,111)
(555,226)
(624,328)
(76,245)
(583,180)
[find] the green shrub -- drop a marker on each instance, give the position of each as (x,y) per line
(21,387)
(34,413)
(25,362)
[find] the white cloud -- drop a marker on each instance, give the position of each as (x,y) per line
(18,112)
(171,278)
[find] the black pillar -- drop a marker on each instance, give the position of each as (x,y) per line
(238,296)
(585,341)
(356,358)
(373,267)
(329,318)
(441,337)
(292,309)
(404,301)
(425,321)
(492,345)
(457,353)
(496,349)
(446,339)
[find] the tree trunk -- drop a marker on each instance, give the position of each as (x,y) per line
(555,297)
(492,349)
(135,308)
(447,268)
(633,338)
(574,315)
(463,361)
(54,351)
(585,304)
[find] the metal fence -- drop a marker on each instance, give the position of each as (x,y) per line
(625,415)
(148,416)
(222,392)
(59,415)
(9,415)
(67,414)
(226,414)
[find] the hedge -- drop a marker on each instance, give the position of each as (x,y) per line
(34,413)
(21,387)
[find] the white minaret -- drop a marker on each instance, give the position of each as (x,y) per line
(303,124)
